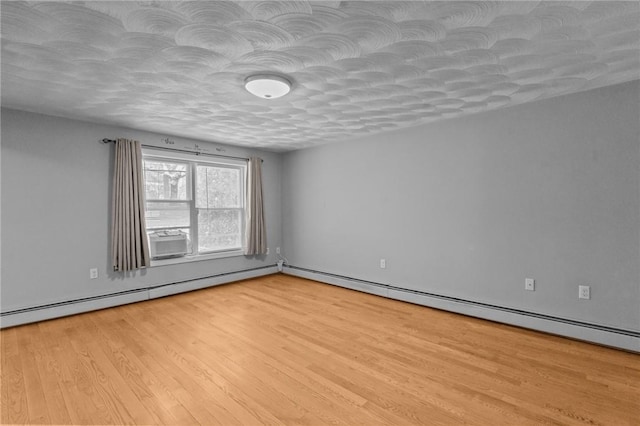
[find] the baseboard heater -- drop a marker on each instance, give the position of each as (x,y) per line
(595,333)
(85,304)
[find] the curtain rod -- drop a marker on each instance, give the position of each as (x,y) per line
(106,141)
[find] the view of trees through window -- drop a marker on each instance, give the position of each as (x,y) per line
(219,207)
(165,180)
(202,200)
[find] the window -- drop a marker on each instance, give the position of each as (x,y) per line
(200,200)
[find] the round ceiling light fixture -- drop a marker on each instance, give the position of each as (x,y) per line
(267,86)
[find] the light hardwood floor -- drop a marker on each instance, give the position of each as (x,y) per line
(284,350)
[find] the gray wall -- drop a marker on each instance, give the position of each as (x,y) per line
(55,212)
(470,207)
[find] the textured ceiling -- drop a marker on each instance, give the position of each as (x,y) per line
(357,68)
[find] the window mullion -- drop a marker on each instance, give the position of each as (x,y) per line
(166,201)
(193,210)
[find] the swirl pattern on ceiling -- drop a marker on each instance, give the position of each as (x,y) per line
(357,67)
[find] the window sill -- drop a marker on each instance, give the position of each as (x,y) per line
(196,258)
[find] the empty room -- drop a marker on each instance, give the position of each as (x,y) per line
(320,212)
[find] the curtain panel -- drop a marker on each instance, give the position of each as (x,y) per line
(129,244)
(256,239)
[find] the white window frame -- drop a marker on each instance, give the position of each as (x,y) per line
(192,162)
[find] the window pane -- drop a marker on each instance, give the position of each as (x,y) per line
(165,180)
(219,229)
(167,215)
(217,187)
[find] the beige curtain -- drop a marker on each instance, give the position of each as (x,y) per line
(256,231)
(129,245)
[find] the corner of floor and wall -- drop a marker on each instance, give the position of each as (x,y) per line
(456,215)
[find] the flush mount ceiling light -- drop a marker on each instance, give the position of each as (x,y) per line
(267,86)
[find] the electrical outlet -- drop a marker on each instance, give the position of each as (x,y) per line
(529,284)
(93,273)
(584,292)
(277,250)
(383,263)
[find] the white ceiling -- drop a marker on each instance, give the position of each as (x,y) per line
(357,68)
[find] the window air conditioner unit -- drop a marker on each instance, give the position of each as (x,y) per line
(167,244)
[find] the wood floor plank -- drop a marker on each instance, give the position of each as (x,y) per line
(14,393)
(57,374)
(281,350)
(34,387)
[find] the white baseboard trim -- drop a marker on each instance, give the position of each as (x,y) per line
(73,307)
(607,336)
(181,287)
(63,309)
